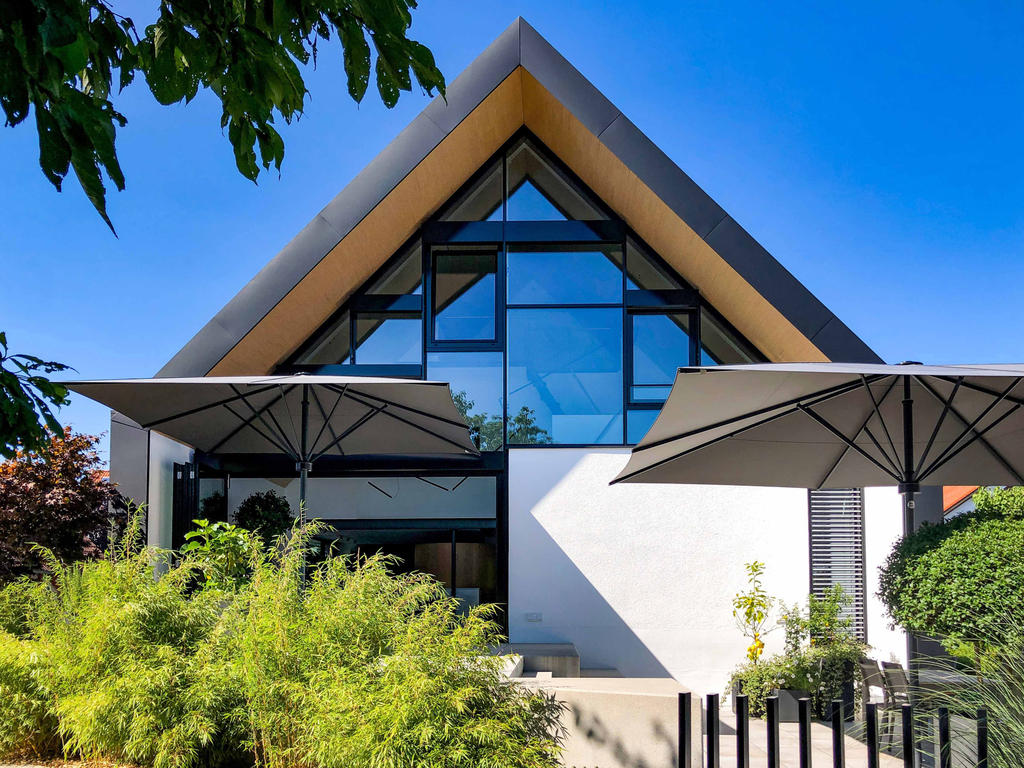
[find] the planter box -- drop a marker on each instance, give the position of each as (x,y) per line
(849,701)
(789,711)
(737,689)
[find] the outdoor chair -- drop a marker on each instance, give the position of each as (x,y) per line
(871,676)
(897,685)
(874,679)
(897,693)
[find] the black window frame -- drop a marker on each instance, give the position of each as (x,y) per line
(433,344)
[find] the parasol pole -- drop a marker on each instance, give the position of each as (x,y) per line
(304,464)
(909,487)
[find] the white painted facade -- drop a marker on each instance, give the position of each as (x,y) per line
(883,527)
(641,577)
(164,453)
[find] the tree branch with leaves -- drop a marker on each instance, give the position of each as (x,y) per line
(26,397)
(63,60)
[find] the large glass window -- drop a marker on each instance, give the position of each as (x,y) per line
(464,295)
(565,376)
(384,338)
(661,344)
(554,323)
(476,384)
(571,275)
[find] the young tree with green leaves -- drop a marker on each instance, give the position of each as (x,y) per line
(64,61)
(751,609)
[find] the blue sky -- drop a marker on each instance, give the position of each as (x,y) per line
(874,149)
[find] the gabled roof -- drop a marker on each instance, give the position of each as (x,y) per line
(519,80)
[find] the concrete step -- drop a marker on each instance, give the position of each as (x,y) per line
(560,659)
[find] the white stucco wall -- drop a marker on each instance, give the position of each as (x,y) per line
(641,577)
(163,454)
(341,498)
(883,526)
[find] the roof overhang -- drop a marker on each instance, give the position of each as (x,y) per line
(519,80)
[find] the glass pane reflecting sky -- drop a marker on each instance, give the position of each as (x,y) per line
(565,368)
(388,341)
(637,424)
(563,277)
(464,296)
(661,343)
(529,204)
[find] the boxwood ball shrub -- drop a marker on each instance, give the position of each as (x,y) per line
(962,580)
(143,658)
(266,513)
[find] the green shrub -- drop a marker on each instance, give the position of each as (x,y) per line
(354,666)
(820,657)
(266,513)
(17,606)
(28,727)
(962,580)
(223,551)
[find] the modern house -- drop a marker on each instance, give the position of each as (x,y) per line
(524,241)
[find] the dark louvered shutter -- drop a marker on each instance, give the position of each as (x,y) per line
(836,521)
(184,502)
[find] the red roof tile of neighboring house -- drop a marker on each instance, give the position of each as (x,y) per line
(954,494)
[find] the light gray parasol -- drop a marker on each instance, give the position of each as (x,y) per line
(837,425)
(301,416)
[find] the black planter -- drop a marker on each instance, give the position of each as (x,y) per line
(849,701)
(737,690)
(789,711)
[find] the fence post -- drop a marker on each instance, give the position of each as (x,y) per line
(838,735)
(742,732)
(772,710)
(871,725)
(804,715)
(713,729)
(945,753)
(909,742)
(685,722)
(982,738)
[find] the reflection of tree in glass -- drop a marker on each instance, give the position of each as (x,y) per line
(522,428)
(486,430)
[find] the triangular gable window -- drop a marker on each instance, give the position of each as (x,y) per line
(523,185)
(539,191)
(527,203)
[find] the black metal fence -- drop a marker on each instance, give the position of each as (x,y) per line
(910,741)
